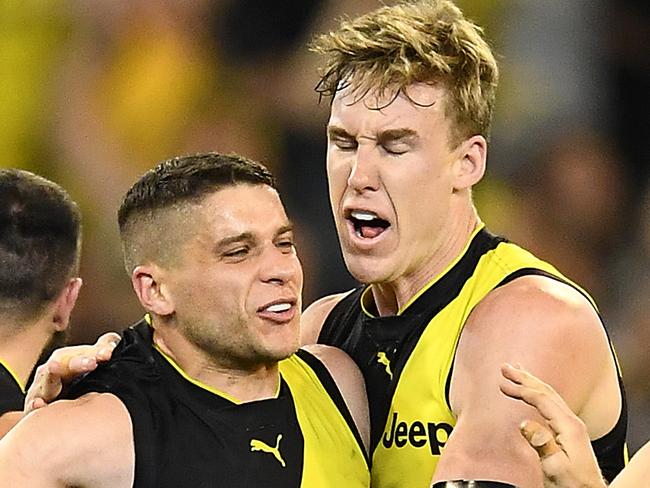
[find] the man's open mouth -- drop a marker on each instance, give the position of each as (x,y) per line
(367,224)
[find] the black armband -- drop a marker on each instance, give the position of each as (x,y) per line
(471,484)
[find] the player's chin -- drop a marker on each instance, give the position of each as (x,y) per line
(368,268)
(280,345)
(279,352)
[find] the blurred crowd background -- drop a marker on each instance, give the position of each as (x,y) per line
(94,93)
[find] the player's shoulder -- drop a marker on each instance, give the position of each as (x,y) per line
(333,358)
(313,317)
(348,380)
(533,320)
(340,366)
(540,303)
(93,411)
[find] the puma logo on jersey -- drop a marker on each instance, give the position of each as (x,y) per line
(257,445)
(383,359)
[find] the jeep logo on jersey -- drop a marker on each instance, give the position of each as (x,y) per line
(416,434)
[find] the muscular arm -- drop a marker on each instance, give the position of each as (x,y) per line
(86,442)
(350,382)
(552,329)
(314,316)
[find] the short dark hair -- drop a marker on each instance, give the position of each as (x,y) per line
(173,183)
(40,239)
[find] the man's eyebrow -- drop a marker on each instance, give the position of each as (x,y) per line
(249,237)
(392,135)
(335,131)
(244,236)
(285,229)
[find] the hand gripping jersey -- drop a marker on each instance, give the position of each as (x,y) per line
(189,435)
(12,393)
(407,360)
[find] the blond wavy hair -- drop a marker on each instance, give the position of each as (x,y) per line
(427,41)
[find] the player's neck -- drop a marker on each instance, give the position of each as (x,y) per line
(20,351)
(391,297)
(239,383)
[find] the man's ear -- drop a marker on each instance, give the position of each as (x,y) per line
(470,165)
(65,303)
(148,283)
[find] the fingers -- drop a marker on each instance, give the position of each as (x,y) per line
(562,445)
(76,360)
(64,365)
(105,346)
(540,438)
(45,388)
(50,377)
(526,387)
(563,464)
(565,429)
(38,403)
(72,366)
(555,463)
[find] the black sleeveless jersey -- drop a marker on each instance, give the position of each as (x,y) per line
(188,435)
(407,359)
(12,395)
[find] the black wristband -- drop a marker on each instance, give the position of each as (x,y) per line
(471,484)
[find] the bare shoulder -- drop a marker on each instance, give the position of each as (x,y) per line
(349,381)
(544,324)
(338,362)
(531,298)
(343,369)
(313,317)
(65,444)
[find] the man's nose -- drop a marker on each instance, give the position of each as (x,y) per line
(363,174)
(279,266)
